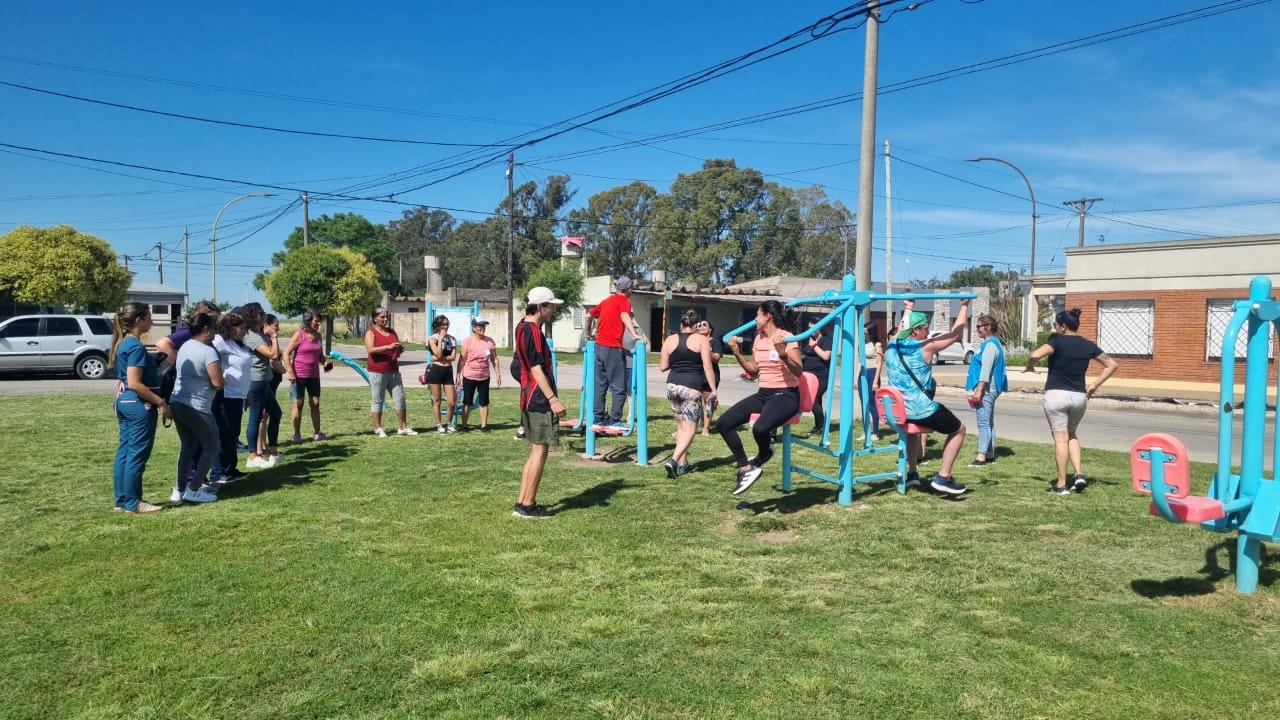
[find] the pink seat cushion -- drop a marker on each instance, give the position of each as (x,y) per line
(1193,508)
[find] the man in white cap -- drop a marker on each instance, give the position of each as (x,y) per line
(613,315)
(540,409)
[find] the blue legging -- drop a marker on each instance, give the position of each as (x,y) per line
(262,397)
(867,398)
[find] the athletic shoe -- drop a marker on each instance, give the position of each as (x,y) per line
(223,480)
(406,431)
(519,434)
(913,479)
(381,433)
(947,485)
(981,463)
(530,511)
(747,478)
(319,436)
(257,461)
(618,426)
(449,429)
(922,460)
(143,507)
(484,428)
(763,457)
(296,439)
(672,468)
(440,430)
(686,468)
(274,460)
(1079,483)
(198,496)
(175,495)
(1058,490)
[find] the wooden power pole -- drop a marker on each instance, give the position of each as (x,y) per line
(1082,206)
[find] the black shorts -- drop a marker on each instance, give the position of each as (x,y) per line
(475,389)
(942,420)
(440,374)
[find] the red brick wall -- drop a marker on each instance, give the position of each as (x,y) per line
(1178,351)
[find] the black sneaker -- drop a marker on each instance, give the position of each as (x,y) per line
(1079,483)
(530,511)
(762,458)
(913,479)
(747,478)
(672,468)
(981,463)
(686,468)
(1058,490)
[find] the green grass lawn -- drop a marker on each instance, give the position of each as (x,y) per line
(386,578)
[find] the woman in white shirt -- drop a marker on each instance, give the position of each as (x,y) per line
(229,404)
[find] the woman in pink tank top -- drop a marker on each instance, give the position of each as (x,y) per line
(778,365)
(302,364)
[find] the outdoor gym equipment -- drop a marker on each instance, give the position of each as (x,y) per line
(638,413)
(1247,503)
(848,348)
(459,316)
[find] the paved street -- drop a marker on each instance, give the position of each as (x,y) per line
(1110,424)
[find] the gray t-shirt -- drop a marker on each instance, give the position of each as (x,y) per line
(193,388)
(261,371)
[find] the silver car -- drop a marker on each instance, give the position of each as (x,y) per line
(56,344)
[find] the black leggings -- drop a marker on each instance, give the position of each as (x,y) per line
(819,413)
(472,388)
(775,405)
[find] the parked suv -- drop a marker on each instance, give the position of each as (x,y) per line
(56,343)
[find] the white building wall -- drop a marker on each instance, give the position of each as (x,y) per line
(1172,265)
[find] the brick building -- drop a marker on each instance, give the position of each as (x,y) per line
(1160,308)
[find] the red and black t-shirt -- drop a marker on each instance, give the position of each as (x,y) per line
(531,350)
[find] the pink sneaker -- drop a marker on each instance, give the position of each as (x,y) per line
(319,436)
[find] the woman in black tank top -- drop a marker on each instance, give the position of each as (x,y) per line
(686,356)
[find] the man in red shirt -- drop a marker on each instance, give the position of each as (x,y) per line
(613,315)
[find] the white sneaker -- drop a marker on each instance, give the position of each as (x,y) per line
(450,429)
(198,496)
(406,431)
(257,461)
(175,495)
(381,433)
(274,460)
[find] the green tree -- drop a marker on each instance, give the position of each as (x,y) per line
(307,278)
(346,230)
(565,282)
(61,266)
(475,255)
(616,224)
(356,293)
(421,232)
(706,223)
(828,233)
(773,245)
(536,216)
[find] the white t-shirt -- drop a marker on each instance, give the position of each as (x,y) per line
(193,388)
(237,368)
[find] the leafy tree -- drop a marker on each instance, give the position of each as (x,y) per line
(422,231)
(475,255)
(828,232)
(565,282)
(61,266)
(307,278)
(535,218)
(346,230)
(706,223)
(356,293)
(773,246)
(616,224)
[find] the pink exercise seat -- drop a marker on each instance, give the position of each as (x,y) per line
(897,414)
(1177,475)
(808,391)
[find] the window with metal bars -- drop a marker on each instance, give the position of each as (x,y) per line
(1127,327)
(1218,316)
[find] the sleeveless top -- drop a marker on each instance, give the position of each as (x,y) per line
(384,361)
(306,357)
(774,373)
(686,365)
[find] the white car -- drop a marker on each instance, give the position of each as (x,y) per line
(961,352)
(56,344)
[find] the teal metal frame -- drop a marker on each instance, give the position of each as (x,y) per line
(1250,499)
(848,355)
(638,413)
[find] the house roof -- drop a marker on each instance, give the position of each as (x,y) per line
(142,288)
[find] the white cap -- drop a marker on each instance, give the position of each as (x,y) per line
(540,295)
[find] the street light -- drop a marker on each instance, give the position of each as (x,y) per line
(213,238)
(1033,204)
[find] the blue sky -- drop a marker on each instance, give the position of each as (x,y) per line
(1175,128)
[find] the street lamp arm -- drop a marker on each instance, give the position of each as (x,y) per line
(213,237)
(1031,192)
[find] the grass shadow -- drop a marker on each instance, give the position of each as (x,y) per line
(594,496)
(302,466)
(1211,574)
(794,501)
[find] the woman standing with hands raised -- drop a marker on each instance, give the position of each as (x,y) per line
(778,365)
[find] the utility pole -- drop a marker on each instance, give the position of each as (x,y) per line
(186,264)
(160,261)
(511,239)
(306,220)
(867,150)
(126,263)
(1082,206)
(888,236)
